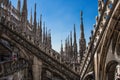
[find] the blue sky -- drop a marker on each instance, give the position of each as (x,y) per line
(60,15)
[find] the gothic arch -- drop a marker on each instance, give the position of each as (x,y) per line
(5,51)
(89,76)
(110,70)
(114,40)
(117,49)
(22,52)
(110,67)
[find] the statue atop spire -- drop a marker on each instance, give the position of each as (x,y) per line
(74,34)
(24,10)
(46,37)
(82,41)
(41,20)
(41,28)
(35,22)
(68,54)
(18,6)
(75,44)
(61,48)
(31,17)
(81,26)
(71,46)
(71,38)
(43,33)
(24,16)
(49,39)
(62,52)
(81,14)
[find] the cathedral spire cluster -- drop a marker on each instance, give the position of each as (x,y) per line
(40,33)
(70,54)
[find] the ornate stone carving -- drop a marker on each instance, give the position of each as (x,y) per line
(10,67)
(117,49)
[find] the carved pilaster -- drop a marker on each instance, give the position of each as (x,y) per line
(37,69)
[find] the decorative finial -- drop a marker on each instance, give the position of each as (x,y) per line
(81,13)
(31,17)
(81,16)
(41,17)
(35,6)
(61,43)
(74,34)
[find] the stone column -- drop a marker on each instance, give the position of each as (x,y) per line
(37,69)
(96,66)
